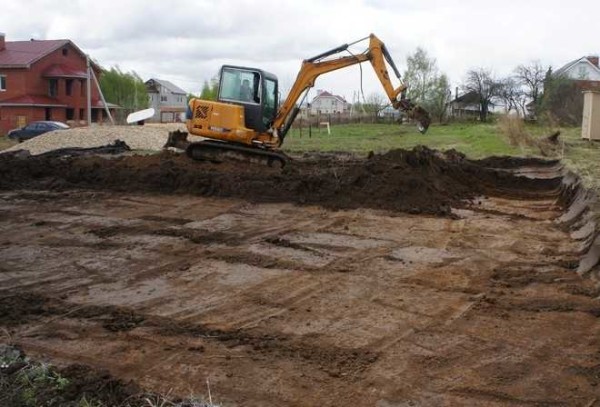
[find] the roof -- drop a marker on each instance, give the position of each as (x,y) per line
(63,71)
(21,54)
(324,94)
(567,67)
(469,97)
(32,100)
(150,83)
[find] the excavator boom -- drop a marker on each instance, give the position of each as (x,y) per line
(377,54)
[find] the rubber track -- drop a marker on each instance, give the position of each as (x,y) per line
(264,155)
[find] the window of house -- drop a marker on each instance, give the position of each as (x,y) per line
(82,86)
(65,52)
(2,83)
(70,113)
(163,98)
(69,89)
(53,87)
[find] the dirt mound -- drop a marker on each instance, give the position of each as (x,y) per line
(415,181)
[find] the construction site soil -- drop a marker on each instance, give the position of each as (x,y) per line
(412,278)
(416,181)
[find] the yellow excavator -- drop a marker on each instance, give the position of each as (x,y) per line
(246,122)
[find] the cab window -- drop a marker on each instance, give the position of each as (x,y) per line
(240,86)
(270,100)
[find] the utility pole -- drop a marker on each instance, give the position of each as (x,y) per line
(102,96)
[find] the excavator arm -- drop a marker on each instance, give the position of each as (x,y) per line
(377,54)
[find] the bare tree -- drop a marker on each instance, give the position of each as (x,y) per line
(512,94)
(375,103)
(485,86)
(532,78)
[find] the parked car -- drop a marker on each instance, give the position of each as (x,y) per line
(34,129)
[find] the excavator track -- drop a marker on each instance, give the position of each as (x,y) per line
(216,151)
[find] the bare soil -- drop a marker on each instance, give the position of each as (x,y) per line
(411,278)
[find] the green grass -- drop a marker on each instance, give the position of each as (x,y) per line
(474,140)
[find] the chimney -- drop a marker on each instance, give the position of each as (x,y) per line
(594,60)
(2,42)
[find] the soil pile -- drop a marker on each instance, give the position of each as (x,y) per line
(415,181)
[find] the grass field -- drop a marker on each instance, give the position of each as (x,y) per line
(475,140)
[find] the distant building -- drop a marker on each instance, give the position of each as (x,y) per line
(45,80)
(327,103)
(465,106)
(584,70)
(168,100)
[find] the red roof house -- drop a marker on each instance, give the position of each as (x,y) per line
(44,80)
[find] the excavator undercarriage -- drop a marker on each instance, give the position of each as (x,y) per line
(219,151)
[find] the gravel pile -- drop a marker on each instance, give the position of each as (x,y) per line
(147,137)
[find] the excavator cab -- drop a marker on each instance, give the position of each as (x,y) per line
(255,90)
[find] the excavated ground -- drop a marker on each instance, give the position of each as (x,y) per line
(412,278)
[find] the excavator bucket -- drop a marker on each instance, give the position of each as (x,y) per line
(421,116)
(177,139)
(416,113)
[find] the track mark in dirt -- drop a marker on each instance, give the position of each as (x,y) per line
(498,396)
(165,219)
(30,307)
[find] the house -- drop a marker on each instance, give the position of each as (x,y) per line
(327,103)
(465,106)
(45,80)
(168,100)
(585,71)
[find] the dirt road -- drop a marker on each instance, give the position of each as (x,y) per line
(283,304)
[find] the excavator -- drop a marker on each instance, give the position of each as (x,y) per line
(245,121)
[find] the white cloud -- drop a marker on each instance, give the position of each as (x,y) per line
(187,41)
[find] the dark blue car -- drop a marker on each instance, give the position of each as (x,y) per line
(34,129)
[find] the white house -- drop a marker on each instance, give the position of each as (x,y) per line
(327,103)
(582,69)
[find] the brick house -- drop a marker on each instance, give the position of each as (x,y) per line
(168,100)
(45,80)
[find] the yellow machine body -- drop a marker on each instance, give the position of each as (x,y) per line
(218,120)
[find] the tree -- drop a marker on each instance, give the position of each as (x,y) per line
(485,86)
(440,96)
(561,101)
(513,95)
(420,75)
(210,90)
(374,104)
(125,89)
(531,77)
(426,85)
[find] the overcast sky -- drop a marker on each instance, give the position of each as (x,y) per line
(187,41)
